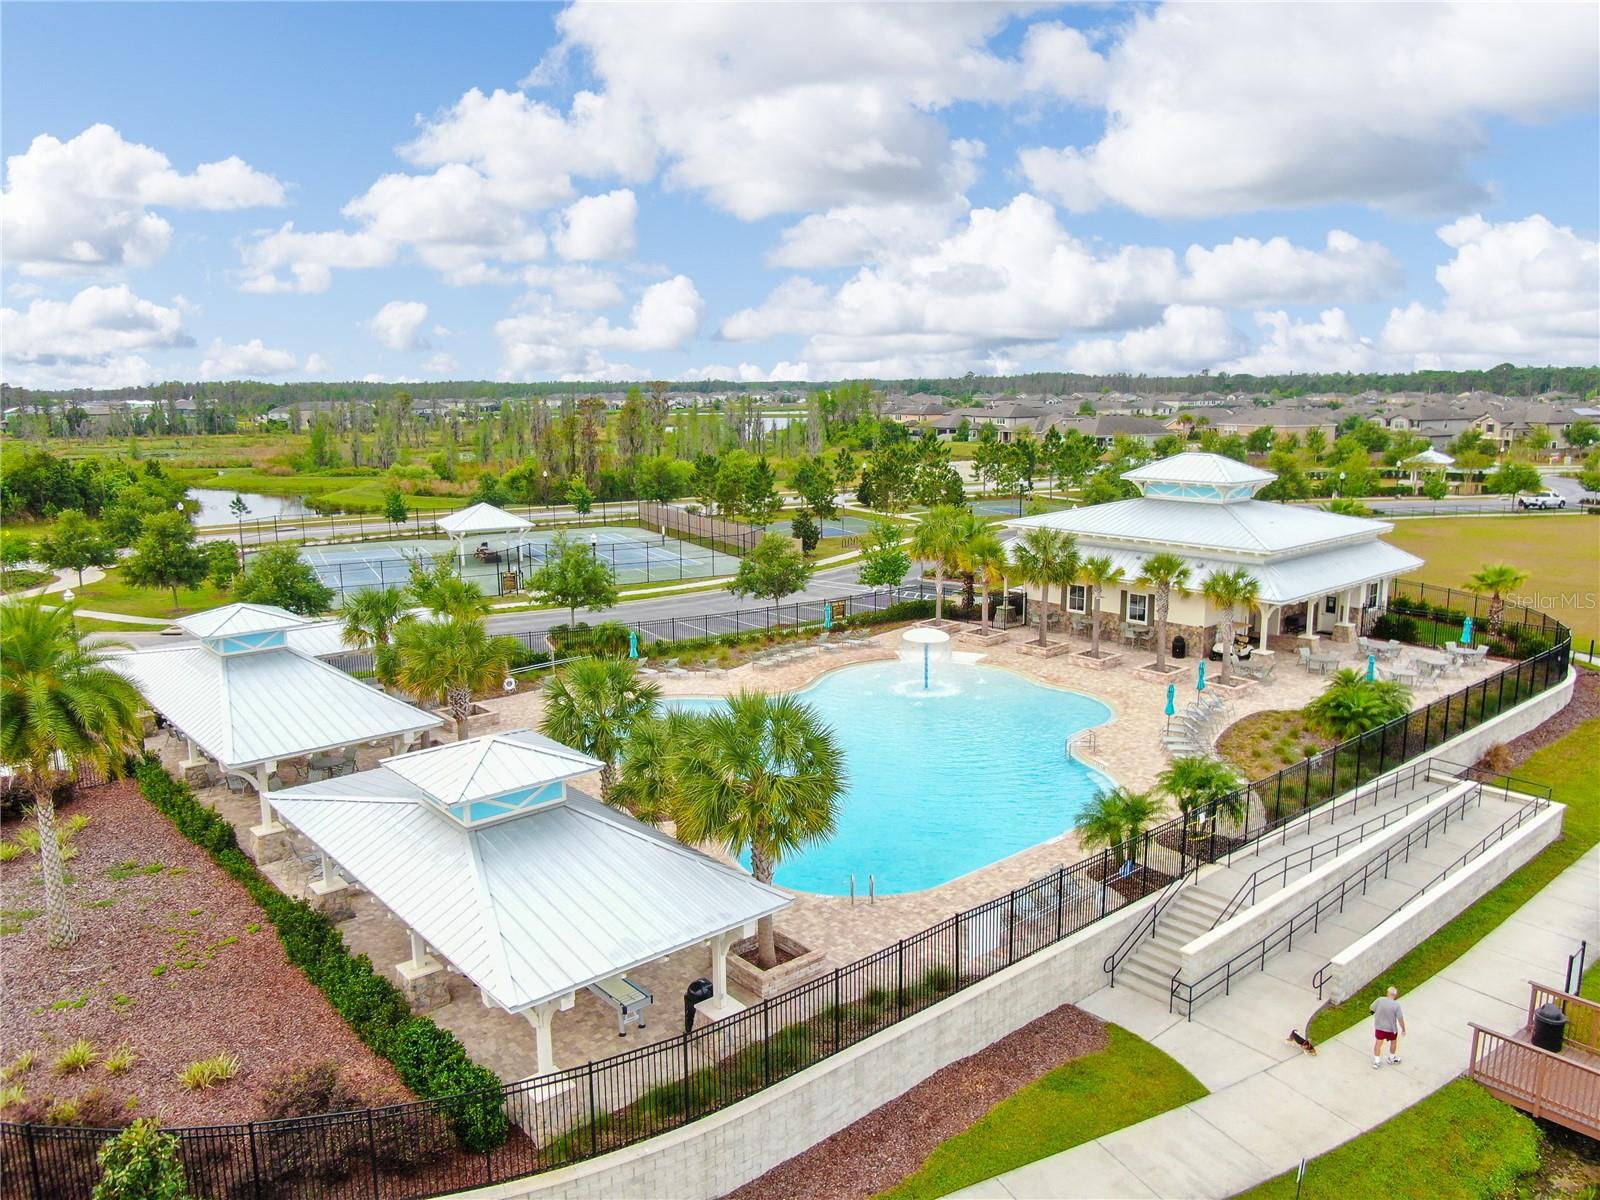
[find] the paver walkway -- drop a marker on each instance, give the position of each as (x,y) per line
(1271,1104)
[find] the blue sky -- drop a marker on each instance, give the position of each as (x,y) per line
(535,191)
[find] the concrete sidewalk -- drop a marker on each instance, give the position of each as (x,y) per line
(1271,1104)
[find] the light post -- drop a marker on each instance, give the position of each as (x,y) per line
(545,475)
(67,597)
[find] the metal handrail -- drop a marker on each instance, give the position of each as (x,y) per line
(1315,851)
(1147,923)
(1285,932)
(1075,738)
(1513,822)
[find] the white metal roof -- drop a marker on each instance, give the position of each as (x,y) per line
(1248,526)
(250,708)
(482,518)
(1432,457)
(492,765)
(235,619)
(532,908)
(1288,580)
(1192,466)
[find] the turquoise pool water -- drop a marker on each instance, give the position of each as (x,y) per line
(942,781)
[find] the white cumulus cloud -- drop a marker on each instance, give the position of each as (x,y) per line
(95,339)
(398,324)
(598,226)
(247,360)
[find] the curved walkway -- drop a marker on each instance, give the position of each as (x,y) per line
(1271,1104)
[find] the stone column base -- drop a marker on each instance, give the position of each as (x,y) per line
(267,843)
(715,1010)
(196,772)
(1049,650)
(332,900)
(426,987)
(1344,632)
(1107,660)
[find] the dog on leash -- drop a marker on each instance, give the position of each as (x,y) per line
(1303,1042)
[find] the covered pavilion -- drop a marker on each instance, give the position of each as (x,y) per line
(243,697)
(482,521)
(529,888)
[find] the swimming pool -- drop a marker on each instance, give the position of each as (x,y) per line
(945,780)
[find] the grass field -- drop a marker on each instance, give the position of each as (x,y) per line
(1567,767)
(114,594)
(1561,554)
(1458,1144)
(1127,1082)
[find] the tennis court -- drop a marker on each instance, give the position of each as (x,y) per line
(844,525)
(1011,506)
(637,556)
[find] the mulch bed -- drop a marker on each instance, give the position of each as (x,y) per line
(893,1141)
(165,962)
(1135,886)
(1584,706)
(1198,845)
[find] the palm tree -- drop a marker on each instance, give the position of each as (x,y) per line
(762,774)
(647,780)
(1202,788)
(449,659)
(1227,589)
(1116,820)
(983,556)
(444,593)
(62,709)
(595,705)
(1167,574)
(370,617)
(1099,573)
(1045,557)
(936,539)
(970,532)
(1496,579)
(1351,704)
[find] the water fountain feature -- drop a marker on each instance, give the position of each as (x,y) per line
(922,646)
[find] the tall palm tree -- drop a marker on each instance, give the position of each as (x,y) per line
(370,617)
(449,659)
(647,781)
(1496,579)
(969,531)
(762,774)
(983,556)
(1202,788)
(1099,573)
(442,592)
(1116,820)
(1228,588)
(1045,557)
(595,705)
(936,539)
(1166,574)
(62,709)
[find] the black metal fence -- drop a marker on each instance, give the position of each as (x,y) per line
(407,1151)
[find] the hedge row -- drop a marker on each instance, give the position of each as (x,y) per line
(430,1061)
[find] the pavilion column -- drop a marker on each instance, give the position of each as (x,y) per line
(1268,611)
(423,978)
(330,895)
(269,841)
(542,1017)
(721,1003)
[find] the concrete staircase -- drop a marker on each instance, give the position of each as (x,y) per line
(1149,969)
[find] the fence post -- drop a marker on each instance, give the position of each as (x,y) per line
(255,1163)
(33,1163)
(372,1155)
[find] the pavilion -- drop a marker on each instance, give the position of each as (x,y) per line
(526,886)
(1319,572)
(483,521)
(244,698)
(1429,460)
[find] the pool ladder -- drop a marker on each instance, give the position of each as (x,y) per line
(1075,740)
(872,888)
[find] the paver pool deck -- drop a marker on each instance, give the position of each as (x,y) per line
(1271,1104)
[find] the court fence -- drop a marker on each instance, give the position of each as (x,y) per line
(409,1151)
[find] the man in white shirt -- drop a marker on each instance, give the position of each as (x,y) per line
(1389,1021)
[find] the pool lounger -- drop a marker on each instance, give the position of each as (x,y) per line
(627,997)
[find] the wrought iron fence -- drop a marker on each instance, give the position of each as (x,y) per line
(403,1152)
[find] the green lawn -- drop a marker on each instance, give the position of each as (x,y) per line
(1562,555)
(114,594)
(1122,1085)
(1568,767)
(1458,1144)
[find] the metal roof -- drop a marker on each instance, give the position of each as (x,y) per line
(234,619)
(532,908)
(1432,457)
(1247,526)
(1192,466)
(482,518)
(251,708)
(483,767)
(1289,580)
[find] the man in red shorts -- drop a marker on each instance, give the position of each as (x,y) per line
(1389,1021)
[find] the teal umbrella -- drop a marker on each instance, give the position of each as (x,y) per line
(1201,685)
(1466,632)
(827,616)
(633,643)
(1172,690)
(1372,667)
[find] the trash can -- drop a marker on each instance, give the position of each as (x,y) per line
(1549,1027)
(1180,647)
(697,991)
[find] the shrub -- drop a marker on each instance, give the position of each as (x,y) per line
(119,1059)
(141,1163)
(12,1094)
(10,850)
(307,1092)
(1399,628)
(20,1065)
(79,1056)
(1497,760)
(208,1072)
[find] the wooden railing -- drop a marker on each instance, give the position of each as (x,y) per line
(1565,1087)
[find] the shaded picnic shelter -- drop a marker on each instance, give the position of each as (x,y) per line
(523,884)
(482,521)
(243,698)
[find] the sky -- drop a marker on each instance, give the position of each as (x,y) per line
(392,192)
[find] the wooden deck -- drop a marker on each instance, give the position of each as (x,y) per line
(1565,1087)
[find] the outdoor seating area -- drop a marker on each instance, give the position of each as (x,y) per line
(1193,730)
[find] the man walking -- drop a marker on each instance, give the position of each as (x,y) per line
(1389,1021)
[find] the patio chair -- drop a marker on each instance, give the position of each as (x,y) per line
(1305,659)
(236,784)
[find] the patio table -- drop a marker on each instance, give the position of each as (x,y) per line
(1401,674)
(1325,662)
